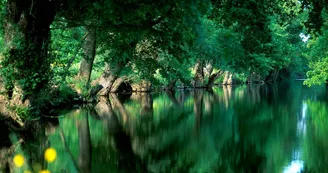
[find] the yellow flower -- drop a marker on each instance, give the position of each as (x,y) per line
(27,171)
(50,154)
(19,160)
(44,171)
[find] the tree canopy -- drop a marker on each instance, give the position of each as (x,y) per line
(103,46)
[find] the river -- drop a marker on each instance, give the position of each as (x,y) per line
(276,128)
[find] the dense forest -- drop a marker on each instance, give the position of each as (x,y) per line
(156,86)
(59,52)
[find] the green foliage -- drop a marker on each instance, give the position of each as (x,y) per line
(171,68)
(266,34)
(14,70)
(23,112)
(318,57)
(281,47)
(315,21)
(318,73)
(2,17)
(250,19)
(66,49)
(161,42)
(1,42)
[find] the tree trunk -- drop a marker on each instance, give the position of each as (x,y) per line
(249,79)
(117,84)
(213,77)
(88,56)
(226,78)
(230,79)
(208,68)
(142,86)
(276,74)
(171,85)
(273,76)
(27,37)
(108,78)
(199,75)
(254,78)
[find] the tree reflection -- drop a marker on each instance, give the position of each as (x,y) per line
(198,108)
(240,156)
(315,142)
(171,95)
(255,128)
(84,158)
(120,139)
(227,89)
(146,101)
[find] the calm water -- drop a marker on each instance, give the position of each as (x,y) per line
(243,129)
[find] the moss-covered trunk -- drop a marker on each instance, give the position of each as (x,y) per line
(228,78)
(142,86)
(171,85)
(88,56)
(108,77)
(254,78)
(199,75)
(213,77)
(26,65)
(117,84)
(273,76)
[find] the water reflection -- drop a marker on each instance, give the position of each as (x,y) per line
(294,167)
(301,125)
(84,157)
(249,129)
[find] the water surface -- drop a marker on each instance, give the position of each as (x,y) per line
(278,128)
